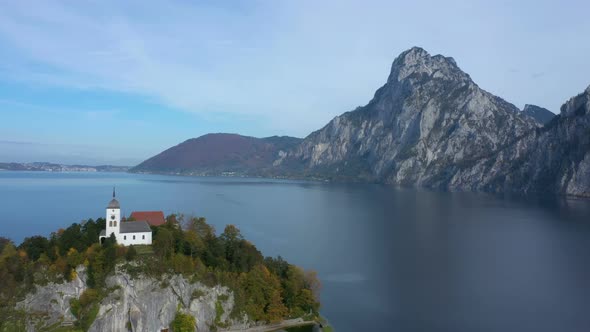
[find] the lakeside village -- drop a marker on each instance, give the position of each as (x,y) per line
(72,280)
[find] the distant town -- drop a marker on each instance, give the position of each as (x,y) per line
(51,167)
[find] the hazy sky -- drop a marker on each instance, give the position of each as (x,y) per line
(118,81)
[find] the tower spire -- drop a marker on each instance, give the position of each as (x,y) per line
(113,191)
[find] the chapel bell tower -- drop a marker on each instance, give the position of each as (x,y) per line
(113,217)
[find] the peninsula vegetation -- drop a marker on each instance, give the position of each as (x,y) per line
(266,289)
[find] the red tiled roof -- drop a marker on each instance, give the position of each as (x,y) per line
(154,218)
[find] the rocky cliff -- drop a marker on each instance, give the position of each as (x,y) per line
(134,304)
(427,118)
(555,158)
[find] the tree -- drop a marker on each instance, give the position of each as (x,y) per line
(214,255)
(278,266)
(175,219)
(183,323)
(3,242)
(164,243)
(90,279)
(231,234)
(71,237)
(90,230)
(182,264)
(263,289)
(193,244)
(276,310)
(200,226)
(35,246)
(74,258)
(312,282)
(231,238)
(244,256)
(292,286)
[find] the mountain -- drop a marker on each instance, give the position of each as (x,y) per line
(428,117)
(430,126)
(540,114)
(554,158)
(218,154)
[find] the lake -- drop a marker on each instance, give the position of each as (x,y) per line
(389,259)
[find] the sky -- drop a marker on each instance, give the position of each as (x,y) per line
(115,82)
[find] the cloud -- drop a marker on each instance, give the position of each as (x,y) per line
(293,64)
(205,59)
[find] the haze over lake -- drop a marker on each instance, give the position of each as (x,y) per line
(389,259)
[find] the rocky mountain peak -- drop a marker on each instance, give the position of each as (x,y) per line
(418,63)
(529,107)
(540,114)
(578,105)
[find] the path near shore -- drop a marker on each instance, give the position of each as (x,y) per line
(274,327)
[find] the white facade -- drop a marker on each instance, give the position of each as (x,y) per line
(113,222)
(128,239)
(127,233)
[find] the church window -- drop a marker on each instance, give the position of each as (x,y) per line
(110,223)
(124,237)
(143,237)
(115,223)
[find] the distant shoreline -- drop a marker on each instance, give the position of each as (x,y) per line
(52,167)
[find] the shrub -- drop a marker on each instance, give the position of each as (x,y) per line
(197,293)
(183,323)
(131,253)
(218,312)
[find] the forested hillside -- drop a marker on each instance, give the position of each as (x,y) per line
(265,289)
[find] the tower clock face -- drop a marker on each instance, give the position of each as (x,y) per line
(112,217)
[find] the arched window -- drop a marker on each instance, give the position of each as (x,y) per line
(134,237)
(115,223)
(143,237)
(110,223)
(124,237)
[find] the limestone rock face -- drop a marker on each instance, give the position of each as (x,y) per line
(429,117)
(555,158)
(53,300)
(135,304)
(147,304)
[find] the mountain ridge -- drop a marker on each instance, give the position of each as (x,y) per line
(218,154)
(430,125)
(554,158)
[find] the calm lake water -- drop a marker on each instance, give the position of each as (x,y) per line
(389,259)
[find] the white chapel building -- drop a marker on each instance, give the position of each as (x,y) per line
(127,232)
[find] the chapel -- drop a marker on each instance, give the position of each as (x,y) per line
(126,232)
